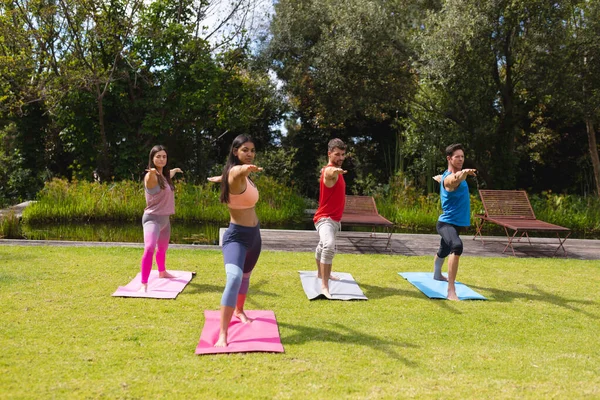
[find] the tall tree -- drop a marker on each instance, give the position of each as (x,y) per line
(512,80)
(100,33)
(29,42)
(482,64)
(583,74)
(97,82)
(345,66)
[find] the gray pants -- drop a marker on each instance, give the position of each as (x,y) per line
(328,230)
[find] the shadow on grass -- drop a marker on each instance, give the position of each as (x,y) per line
(255,288)
(541,295)
(305,334)
(379,292)
(193,288)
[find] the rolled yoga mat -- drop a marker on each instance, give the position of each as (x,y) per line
(439,289)
(344,289)
(158,288)
(262,334)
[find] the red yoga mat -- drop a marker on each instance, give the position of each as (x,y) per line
(262,334)
(158,288)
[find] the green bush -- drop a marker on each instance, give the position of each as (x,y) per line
(279,204)
(10,227)
(412,211)
(581,214)
(61,200)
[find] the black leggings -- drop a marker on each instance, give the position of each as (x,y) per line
(450,242)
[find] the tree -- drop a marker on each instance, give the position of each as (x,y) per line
(199,100)
(90,85)
(28,45)
(582,74)
(480,64)
(345,67)
(100,33)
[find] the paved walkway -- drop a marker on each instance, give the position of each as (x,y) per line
(17,209)
(363,243)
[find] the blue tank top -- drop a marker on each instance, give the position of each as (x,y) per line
(456,205)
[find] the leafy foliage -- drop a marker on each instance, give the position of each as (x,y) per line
(90,86)
(61,200)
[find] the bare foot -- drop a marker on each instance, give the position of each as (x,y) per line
(242,316)
(222,342)
(440,278)
(452,295)
(331,277)
(166,274)
(325,292)
(143,288)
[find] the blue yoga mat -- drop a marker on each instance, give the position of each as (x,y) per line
(438,289)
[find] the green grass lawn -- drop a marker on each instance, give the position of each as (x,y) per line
(63,336)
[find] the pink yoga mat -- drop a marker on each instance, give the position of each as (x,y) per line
(157,288)
(262,334)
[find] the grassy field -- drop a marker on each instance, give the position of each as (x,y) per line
(64,336)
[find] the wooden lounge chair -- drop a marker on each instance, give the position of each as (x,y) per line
(512,210)
(362,211)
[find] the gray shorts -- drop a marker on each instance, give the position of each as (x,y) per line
(328,230)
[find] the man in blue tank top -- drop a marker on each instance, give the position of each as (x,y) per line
(456,215)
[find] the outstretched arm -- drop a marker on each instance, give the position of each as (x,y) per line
(174,171)
(331,175)
(151,178)
(240,172)
(453,180)
(237,176)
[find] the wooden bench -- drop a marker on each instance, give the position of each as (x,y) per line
(362,211)
(512,210)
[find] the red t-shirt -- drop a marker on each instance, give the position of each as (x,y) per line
(331,200)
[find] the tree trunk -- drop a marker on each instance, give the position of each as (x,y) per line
(503,171)
(103,161)
(591,133)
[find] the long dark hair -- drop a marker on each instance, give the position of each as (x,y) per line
(166,172)
(232,160)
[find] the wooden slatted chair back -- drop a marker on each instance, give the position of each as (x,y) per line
(506,204)
(364,205)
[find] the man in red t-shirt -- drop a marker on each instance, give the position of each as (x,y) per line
(332,199)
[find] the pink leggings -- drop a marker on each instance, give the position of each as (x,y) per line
(157,231)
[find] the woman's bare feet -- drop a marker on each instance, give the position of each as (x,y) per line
(222,342)
(242,316)
(165,274)
(143,288)
(325,292)
(440,278)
